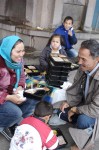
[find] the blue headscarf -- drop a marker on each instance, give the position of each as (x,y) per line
(6,46)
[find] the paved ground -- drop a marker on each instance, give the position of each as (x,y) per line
(4,144)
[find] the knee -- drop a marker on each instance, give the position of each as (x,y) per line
(18,114)
(81,122)
(15,113)
(85,121)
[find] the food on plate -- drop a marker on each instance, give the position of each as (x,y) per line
(27,70)
(55,132)
(31,67)
(61,140)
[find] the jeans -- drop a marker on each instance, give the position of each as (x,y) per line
(11,113)
(82,121)
(72,53)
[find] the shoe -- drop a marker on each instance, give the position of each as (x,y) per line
(7,133)
(12,129)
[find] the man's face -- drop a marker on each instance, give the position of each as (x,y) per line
(86,61)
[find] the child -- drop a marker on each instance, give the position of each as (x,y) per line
(68,34)
(54,45)
(34,133)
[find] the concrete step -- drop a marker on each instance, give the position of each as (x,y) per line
(31,56)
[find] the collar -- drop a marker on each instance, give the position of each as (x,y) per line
(39,118)
(60,47)
(62,26)
(93,71)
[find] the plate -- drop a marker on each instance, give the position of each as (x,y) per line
(62,140)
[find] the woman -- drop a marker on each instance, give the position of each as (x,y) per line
(12,79)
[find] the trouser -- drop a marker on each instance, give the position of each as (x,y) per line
(72,53)
(11,113)
(82,121)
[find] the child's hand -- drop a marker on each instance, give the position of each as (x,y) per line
(70,33)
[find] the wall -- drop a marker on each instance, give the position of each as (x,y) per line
(76,10)
(43,13)
(36,40)
(95,23)
(13,10)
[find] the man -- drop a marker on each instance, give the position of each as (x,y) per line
(82,105)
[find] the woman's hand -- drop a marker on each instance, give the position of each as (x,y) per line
(15,98)
(63,106)
(18,89)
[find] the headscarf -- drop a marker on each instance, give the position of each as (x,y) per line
(6,46)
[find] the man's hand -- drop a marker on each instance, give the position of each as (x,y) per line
(75,110)
(63,106)
(70,114)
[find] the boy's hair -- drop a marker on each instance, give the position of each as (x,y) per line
(56,35)
(43,109)
(92,45)
(68,18)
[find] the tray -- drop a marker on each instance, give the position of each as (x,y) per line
(62,140)
(58,61)
(56,77)
(31,72)
(58,73)
(51,82)
(66,67)
(37,93)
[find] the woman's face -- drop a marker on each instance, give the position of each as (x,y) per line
(55,43)
(18,52)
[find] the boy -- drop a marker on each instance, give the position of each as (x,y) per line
(34,133)
(68,34)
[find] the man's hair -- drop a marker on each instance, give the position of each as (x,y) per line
(68,18)
(43,109)
(92,45)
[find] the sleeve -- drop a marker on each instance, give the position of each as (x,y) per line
(57,30)
(52,141)
(73,39)
(43,59)
(22,77)
(75,92)
(92,109)
(3,91)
